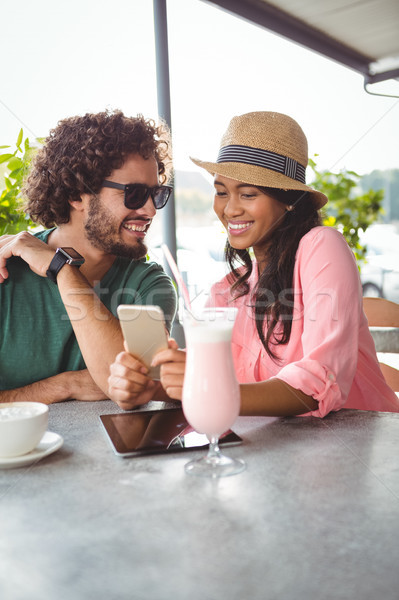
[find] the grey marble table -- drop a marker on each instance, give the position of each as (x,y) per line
(314,516)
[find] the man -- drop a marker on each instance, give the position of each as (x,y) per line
(95,186)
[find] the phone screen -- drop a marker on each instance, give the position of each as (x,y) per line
(156,432)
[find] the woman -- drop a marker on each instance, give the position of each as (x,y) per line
(301,343)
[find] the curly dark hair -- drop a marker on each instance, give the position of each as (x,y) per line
(273,297)
(83,151)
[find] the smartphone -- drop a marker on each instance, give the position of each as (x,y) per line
(145,333)
(156,432)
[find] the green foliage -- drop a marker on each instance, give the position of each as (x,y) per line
(348,209)
(12,218)
(389,181)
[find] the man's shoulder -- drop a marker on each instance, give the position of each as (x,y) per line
(43,234)
(136,274)
(139,268)
(141,282)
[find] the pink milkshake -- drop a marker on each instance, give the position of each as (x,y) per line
(211,396)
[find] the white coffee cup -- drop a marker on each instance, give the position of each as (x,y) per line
(22,426)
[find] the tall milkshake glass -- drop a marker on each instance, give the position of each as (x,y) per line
(211,394)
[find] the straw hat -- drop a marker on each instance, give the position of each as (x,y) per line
(266,149)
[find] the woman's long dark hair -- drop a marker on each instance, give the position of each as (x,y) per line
(273,296)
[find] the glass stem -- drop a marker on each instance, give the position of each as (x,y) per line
(214,451)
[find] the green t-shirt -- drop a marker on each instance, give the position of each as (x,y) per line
(36,336)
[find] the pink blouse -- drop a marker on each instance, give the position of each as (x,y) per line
(330,355)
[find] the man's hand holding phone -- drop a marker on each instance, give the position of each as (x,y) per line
(148,355)
(129,384)
(132,381)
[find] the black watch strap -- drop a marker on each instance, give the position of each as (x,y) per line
(55,266)
(60,259)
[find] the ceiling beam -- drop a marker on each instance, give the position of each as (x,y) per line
(280,22)
(377,77)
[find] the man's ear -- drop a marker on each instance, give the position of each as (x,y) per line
(80,205)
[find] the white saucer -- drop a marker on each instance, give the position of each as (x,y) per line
(49,443)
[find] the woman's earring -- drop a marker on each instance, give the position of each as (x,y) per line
(289,207)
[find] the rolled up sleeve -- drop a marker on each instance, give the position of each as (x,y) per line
(317,381)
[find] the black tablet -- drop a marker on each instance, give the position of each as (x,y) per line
(156,432)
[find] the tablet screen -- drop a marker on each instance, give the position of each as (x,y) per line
(156,431)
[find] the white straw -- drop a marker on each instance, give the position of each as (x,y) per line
(177,275)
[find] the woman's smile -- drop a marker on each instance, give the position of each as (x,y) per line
(238,227)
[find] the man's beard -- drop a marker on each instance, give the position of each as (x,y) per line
(103,233)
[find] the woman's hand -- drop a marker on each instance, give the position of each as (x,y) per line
(129,384)
(173,364)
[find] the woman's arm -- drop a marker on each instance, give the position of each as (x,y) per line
(266,398)
(274,398)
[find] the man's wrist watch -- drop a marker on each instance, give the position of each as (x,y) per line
(63,256)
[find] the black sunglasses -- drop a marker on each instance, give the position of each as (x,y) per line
(137,194)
